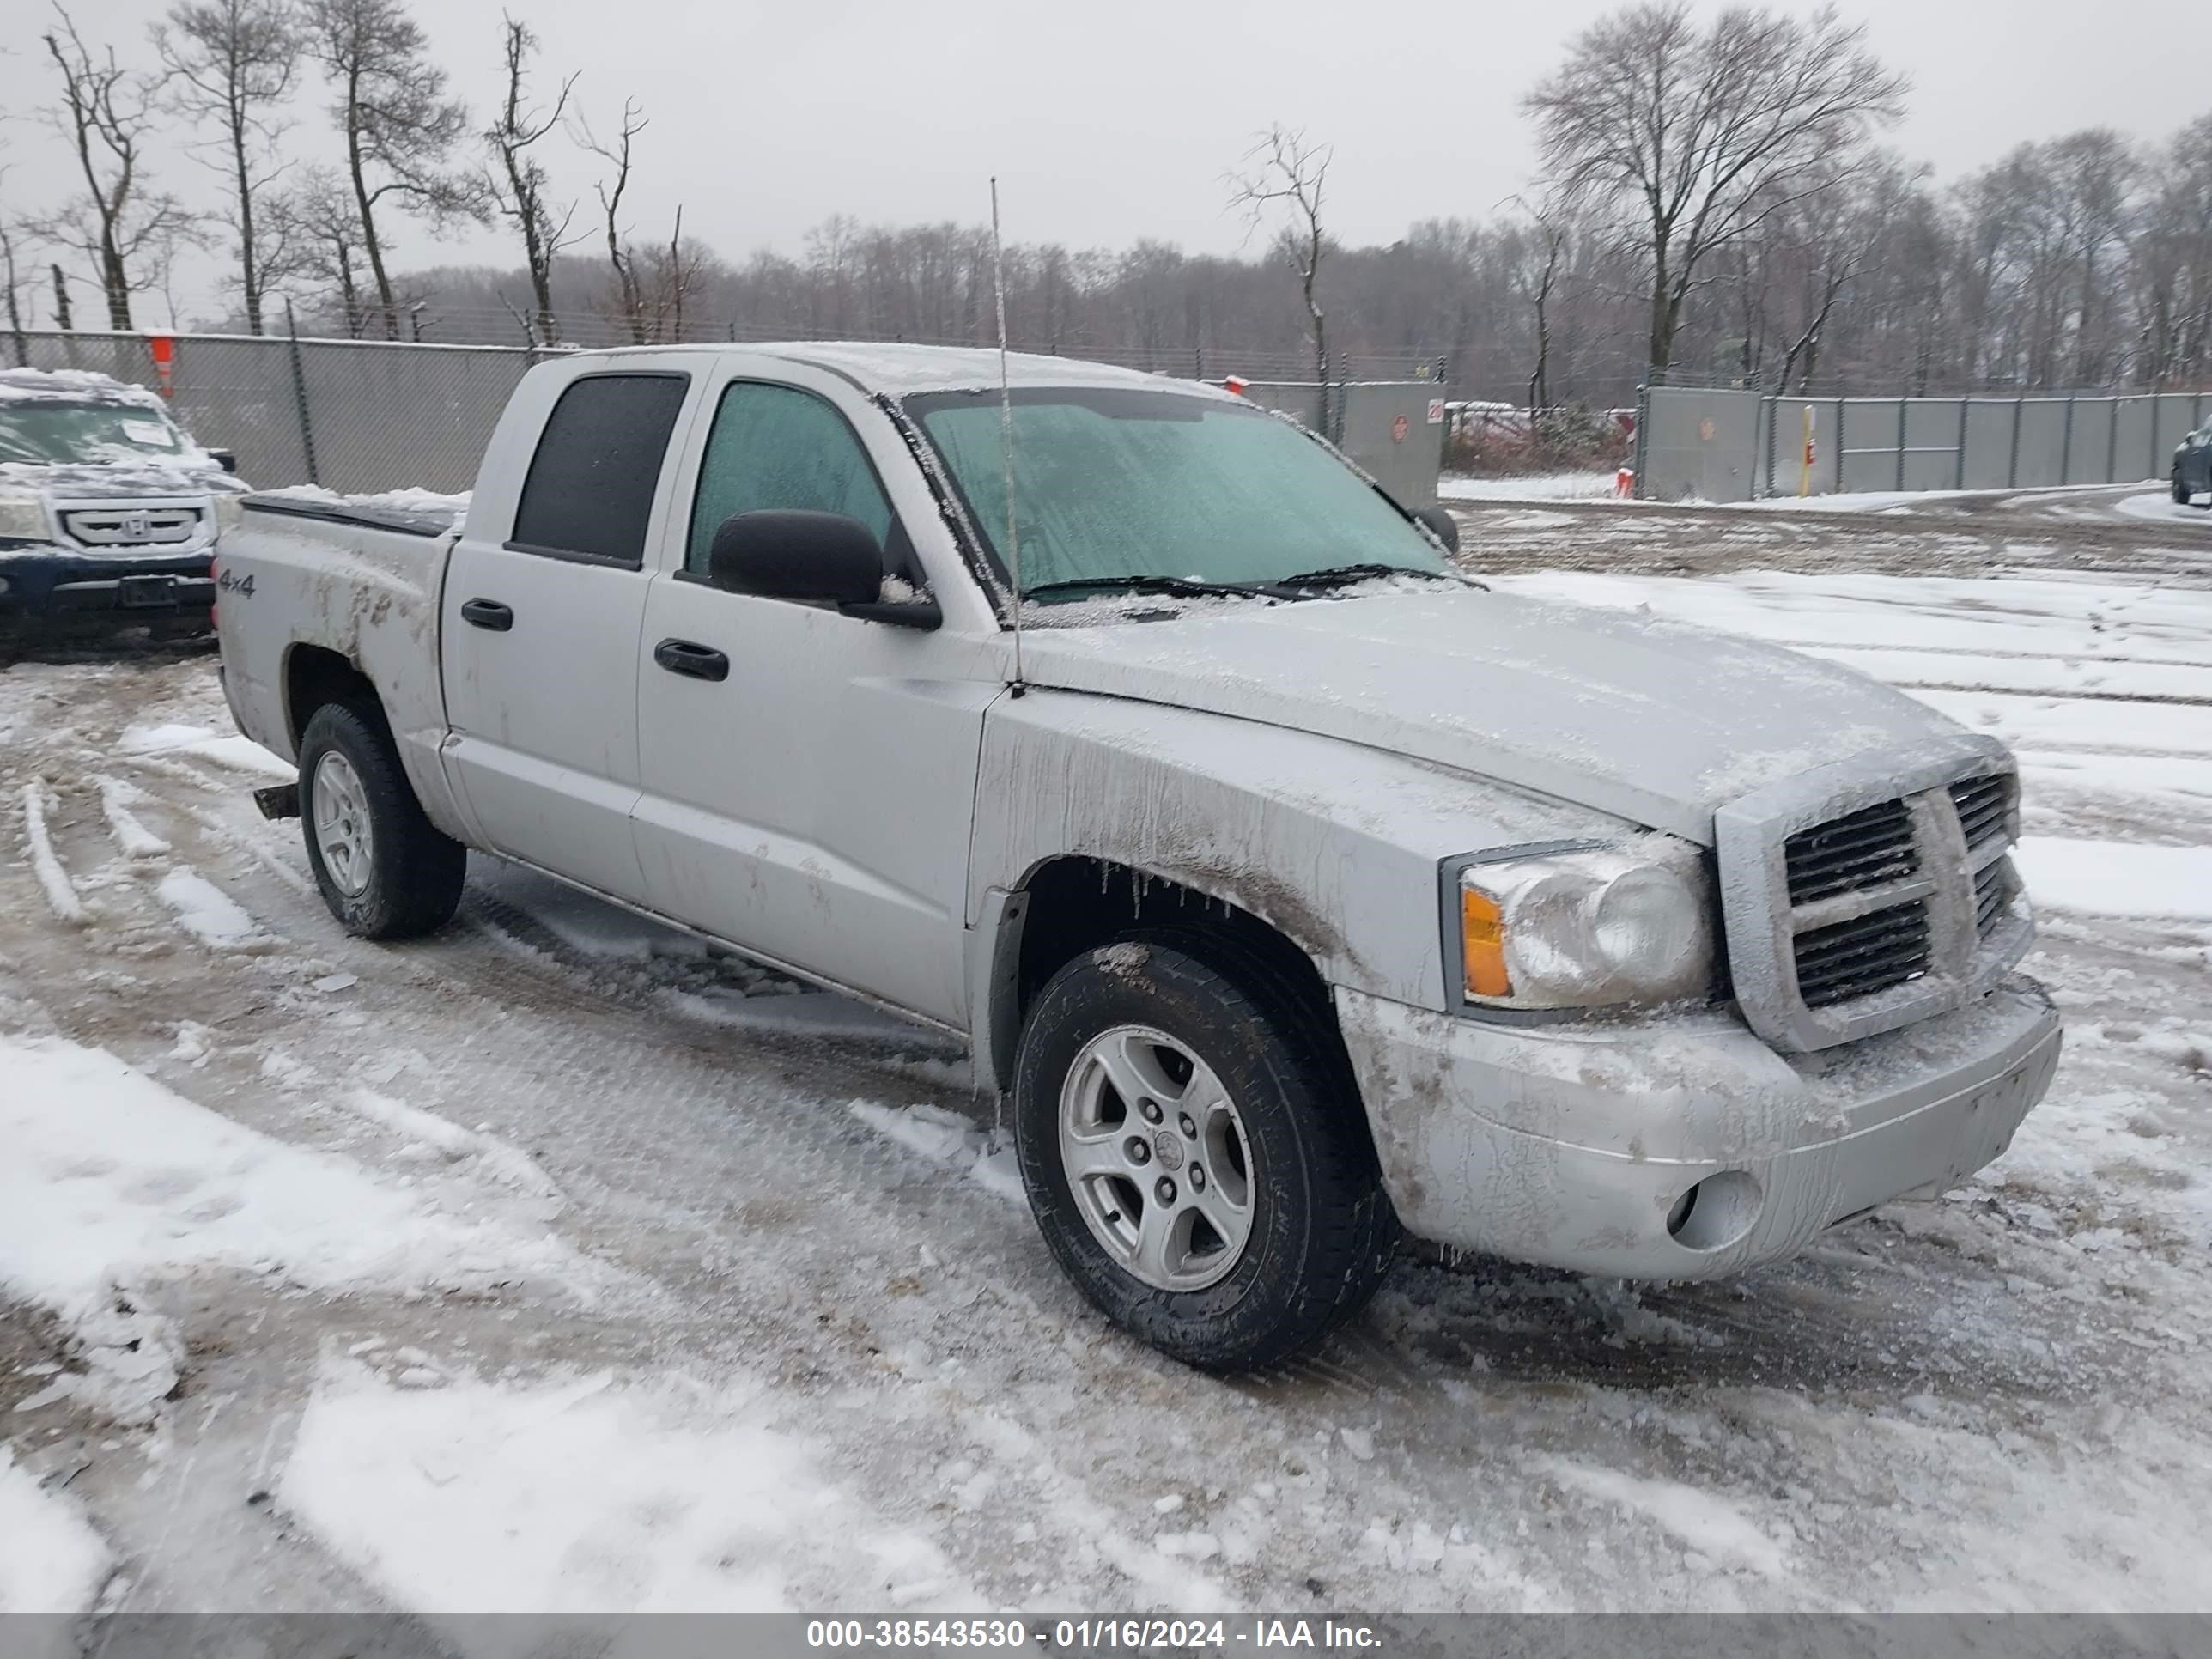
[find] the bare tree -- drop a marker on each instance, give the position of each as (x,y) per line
(1283,168)
(1696,137)
(232,64)
(1539,254)
(518,185)
(106,114)
(11,286)
(399,126)
(672,276)
(320,222)
(629,293)
(2170,269)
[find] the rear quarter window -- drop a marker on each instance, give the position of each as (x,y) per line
(589,490)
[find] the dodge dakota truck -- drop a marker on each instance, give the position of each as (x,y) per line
(1291,888)
(108,510)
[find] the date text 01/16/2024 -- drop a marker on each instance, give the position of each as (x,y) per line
(1089,1635)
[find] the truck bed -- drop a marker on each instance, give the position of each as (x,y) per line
(361,583)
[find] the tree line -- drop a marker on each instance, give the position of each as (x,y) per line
(1714,198)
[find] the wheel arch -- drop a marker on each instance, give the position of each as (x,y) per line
(315,674)
(1071,903)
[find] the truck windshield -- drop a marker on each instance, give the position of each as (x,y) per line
(58,431)
(1114,483)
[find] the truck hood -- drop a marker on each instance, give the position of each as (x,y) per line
(108,482)
(1650,720)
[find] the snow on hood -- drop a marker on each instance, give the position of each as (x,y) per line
(1654,722)
(193,474)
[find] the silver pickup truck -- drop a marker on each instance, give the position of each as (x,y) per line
(1294,888)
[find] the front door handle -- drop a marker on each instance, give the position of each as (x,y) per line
(487,613)
(700,662)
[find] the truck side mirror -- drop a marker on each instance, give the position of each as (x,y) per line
(1441,524)
(225,458)
(784,554)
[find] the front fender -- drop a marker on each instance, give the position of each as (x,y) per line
(1334,845)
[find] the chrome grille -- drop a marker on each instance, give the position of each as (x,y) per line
(130,527)
(1870,953)
(1984,806)
(1994,887)
(1871,893)
(1871,845)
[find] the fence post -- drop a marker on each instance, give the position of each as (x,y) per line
(2012,463)
(1965,404)
(1904,416)
(2113,441)
(2066,443)
(1773,420)
(1642,429)
(300,393)
(1839,446)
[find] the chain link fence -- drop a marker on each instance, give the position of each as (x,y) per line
(364,415)
(1735,444)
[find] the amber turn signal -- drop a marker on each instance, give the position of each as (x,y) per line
(1482,946)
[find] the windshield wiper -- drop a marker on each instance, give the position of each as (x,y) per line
(1136,583)
(1343,575)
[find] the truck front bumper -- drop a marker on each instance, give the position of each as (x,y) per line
(1684,1148)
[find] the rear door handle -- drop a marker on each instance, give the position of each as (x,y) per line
(487,613)
(699,661)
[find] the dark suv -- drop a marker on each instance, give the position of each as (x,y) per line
(109,512)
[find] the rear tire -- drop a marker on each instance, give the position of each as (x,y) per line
(384,869)
(1237,1099)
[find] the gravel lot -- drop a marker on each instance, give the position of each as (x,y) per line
(558,1261)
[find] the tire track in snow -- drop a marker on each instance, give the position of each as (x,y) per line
(132,837)
(61,894)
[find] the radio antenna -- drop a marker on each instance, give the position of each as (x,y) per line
(1006,431)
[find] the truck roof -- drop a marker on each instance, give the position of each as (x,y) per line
(898,370)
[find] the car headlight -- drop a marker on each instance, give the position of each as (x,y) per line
(24,521)
(1580,926)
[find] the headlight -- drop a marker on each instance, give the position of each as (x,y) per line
(24,521)
(1581,926)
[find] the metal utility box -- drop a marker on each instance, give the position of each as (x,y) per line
(1393,429)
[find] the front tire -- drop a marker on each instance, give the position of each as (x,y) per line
(2180,490)
(1197,1164)
(384,869)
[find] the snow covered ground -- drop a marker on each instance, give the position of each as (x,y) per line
(1542,486)
(560,1261)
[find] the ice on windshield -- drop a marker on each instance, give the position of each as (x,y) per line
(54,431)
(1113,483)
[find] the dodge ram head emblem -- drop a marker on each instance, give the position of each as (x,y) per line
(1169,1148)
(137,527)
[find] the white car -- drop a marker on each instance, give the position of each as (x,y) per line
(1296,888)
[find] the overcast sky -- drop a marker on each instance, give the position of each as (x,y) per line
(1109,123)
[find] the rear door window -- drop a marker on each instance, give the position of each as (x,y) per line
(590,488)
